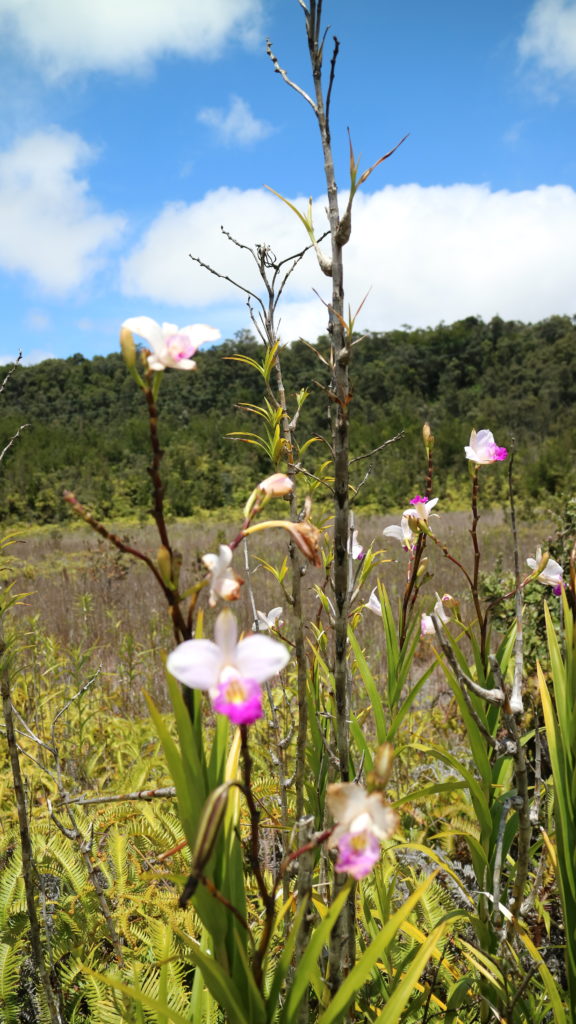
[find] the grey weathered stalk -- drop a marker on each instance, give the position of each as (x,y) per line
(28,865)
(343,940)
(340,398)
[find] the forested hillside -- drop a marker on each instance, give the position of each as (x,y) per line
(88,428)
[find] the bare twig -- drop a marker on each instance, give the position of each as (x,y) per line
(280,71)
(139,794)
(368,455)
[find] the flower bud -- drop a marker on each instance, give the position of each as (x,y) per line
(428,437)
(164,563)
(128,347)
(277,485)
(384,758)
(208,829)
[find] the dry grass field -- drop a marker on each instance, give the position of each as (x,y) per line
(106,606)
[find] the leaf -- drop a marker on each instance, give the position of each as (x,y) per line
(365,965)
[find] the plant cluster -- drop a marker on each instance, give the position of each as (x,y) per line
(308,834)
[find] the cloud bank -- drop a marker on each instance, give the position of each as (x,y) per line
(425,253)
(126,36)
(50,227)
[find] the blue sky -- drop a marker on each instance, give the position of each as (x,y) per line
(132,130)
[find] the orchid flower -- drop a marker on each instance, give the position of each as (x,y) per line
(552,573)
(172,346)
(355,550)
(362,820)
(483,450)
(224,582)
(264,623)
(373,602)
(231,670)
(412,519)
(426,624)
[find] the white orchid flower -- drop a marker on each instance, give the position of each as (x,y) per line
(272,620)
(483,449)
(408,530)
(224,582)
(172,346)
(231,670)
(363,820)
(426,624)
(355,549)
(552,573)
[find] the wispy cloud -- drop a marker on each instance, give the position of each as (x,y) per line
(549,36)
(427,254)
(50,227)
(105,35)
(237,124)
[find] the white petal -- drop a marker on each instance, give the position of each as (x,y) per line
(430,504)
(226,635)
(196,663)
(373,602)
(384,818)
(532,563)
(345,800)
(147,328)
(394,531)
(259,657)
(168,330)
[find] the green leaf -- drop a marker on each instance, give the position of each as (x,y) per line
(365,965)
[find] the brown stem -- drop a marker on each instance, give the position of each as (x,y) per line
(254,857)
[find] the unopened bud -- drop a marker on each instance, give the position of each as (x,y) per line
(277,485)
(128,347)
(208,829)
(428,437)
(422,567)
(379,776)
(164,563)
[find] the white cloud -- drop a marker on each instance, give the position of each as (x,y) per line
(549,36)
(50,228)
(237,124)
(426,254)
(125,36)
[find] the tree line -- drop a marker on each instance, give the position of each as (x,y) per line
(88,427)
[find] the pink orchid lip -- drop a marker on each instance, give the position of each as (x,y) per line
(357,853)
(240,699)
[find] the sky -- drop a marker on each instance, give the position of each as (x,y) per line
(132,131)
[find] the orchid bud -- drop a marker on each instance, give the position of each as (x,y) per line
(277,485)
(164,563)
(382,770)
(208,829)
(428,437)
(128,347)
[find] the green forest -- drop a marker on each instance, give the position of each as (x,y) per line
(87,427)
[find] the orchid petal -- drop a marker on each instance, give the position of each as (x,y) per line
(226,635)
(259,657)
(147,328)
(196,663)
